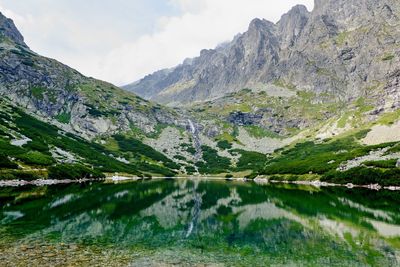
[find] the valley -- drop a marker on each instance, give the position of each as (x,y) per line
(280,147)
(284,106)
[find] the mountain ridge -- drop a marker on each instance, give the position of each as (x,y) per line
(315,51)
(52,90)
(315,95)
(56,123)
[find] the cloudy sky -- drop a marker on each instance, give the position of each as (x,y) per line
(121,41)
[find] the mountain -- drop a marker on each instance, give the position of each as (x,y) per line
(315,96)
(85,106)
(55,122)
(342,49)
(317,91)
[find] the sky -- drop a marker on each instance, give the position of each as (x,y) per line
(121,41)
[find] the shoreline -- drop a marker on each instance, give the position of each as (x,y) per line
(376,187)
(259,181)
(43,182)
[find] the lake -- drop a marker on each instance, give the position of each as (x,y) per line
(198,223)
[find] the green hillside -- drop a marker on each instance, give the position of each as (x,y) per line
(51,152)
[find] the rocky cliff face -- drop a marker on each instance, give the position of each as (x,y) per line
(68,99)
(343,49)
(8,30)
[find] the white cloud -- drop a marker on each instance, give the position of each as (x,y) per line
(110,51)
(204,24)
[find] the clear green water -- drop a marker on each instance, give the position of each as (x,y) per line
(197,223)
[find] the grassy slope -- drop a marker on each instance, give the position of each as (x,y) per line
(321,160)
(34,159)
(308,158)
(301,106)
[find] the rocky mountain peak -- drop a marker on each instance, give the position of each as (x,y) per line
(292,24)
(9,30)
(337,49)
(299,9)
(259,28)
(295,12)
(260,24)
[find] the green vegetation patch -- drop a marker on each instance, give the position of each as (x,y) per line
(213,163)
(224,145)
(364,176)
(394,149)
(284,84)
(98,112)
(36,158)
(389,118)
(309,157)
(180,157)
(363,106)
(190,169)
(157,131)
(139,149)
(384,164)
(64,117)
(20,175)
(388,57)
(73,172)
(38,91)
(189,148)
(44,136)
(343,120)
(342,37)
(250,160)
(259,132)
(6,163)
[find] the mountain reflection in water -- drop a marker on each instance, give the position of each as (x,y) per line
(189,222)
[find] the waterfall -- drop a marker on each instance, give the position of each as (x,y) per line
(196,214)
(191,125)
(196,139)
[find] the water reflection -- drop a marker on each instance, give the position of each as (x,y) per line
(216,222)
